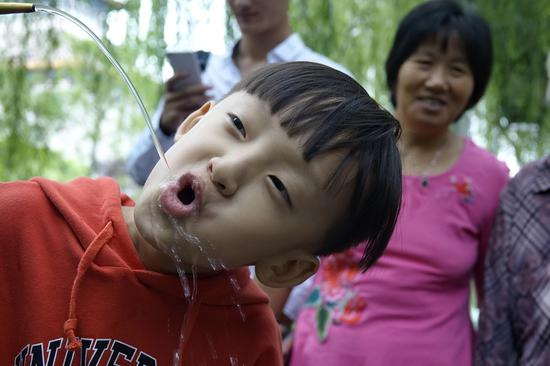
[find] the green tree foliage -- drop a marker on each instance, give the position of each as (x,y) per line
(517,112)
(57,79)
(28,113)
(358,34)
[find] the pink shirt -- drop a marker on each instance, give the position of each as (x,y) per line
(412,307)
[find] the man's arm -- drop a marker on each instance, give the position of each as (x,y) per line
(495,343)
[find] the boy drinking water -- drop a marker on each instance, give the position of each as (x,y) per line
(296,162)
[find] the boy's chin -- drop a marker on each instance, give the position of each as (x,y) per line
(169,239)
(185,254)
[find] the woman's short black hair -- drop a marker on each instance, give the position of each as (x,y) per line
(442,19)
(336,114)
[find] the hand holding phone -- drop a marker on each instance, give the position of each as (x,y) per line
(184,93)
(185,63)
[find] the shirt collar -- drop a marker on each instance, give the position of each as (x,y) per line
(287,50)
(542,181)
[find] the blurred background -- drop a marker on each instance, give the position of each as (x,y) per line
(65,111)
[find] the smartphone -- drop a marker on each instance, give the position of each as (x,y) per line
(187,62)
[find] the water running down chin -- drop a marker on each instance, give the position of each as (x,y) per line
(190,290)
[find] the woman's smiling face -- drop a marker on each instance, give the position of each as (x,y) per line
(434,85)
(239,185)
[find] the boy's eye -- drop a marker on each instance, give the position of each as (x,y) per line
(238,124)
(279,185)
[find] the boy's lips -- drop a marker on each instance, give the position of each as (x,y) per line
(183,197)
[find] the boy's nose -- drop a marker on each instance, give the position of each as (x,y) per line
(222,175)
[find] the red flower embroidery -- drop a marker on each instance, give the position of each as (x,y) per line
(353,310)
(464,187)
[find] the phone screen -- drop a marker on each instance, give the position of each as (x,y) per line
(185,62)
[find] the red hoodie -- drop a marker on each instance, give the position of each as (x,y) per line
(70,277)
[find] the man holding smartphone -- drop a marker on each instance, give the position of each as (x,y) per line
(266,38)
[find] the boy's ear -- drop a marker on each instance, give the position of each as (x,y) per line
(193,119)
(286,269)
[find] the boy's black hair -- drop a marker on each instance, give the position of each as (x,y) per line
(440,20)
(337,114)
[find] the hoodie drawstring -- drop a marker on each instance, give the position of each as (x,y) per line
(70,325)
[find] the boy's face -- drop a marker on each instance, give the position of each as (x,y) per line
(238,190)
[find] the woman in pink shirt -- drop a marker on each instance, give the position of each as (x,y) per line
(412,306)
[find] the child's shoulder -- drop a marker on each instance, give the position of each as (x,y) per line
(19,196)
(22,208)
(37,194)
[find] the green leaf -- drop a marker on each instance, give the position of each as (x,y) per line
(314,298)
(323,318)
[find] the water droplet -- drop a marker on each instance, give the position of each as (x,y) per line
(241,312)
(234,361)
(213,352)
(234,283)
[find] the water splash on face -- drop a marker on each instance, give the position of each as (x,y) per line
(187,244)
(216,264)
(182,244)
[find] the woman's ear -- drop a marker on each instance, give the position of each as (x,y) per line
(193,119)
(286,269)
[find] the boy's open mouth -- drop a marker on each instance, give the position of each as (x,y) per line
(182,198)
